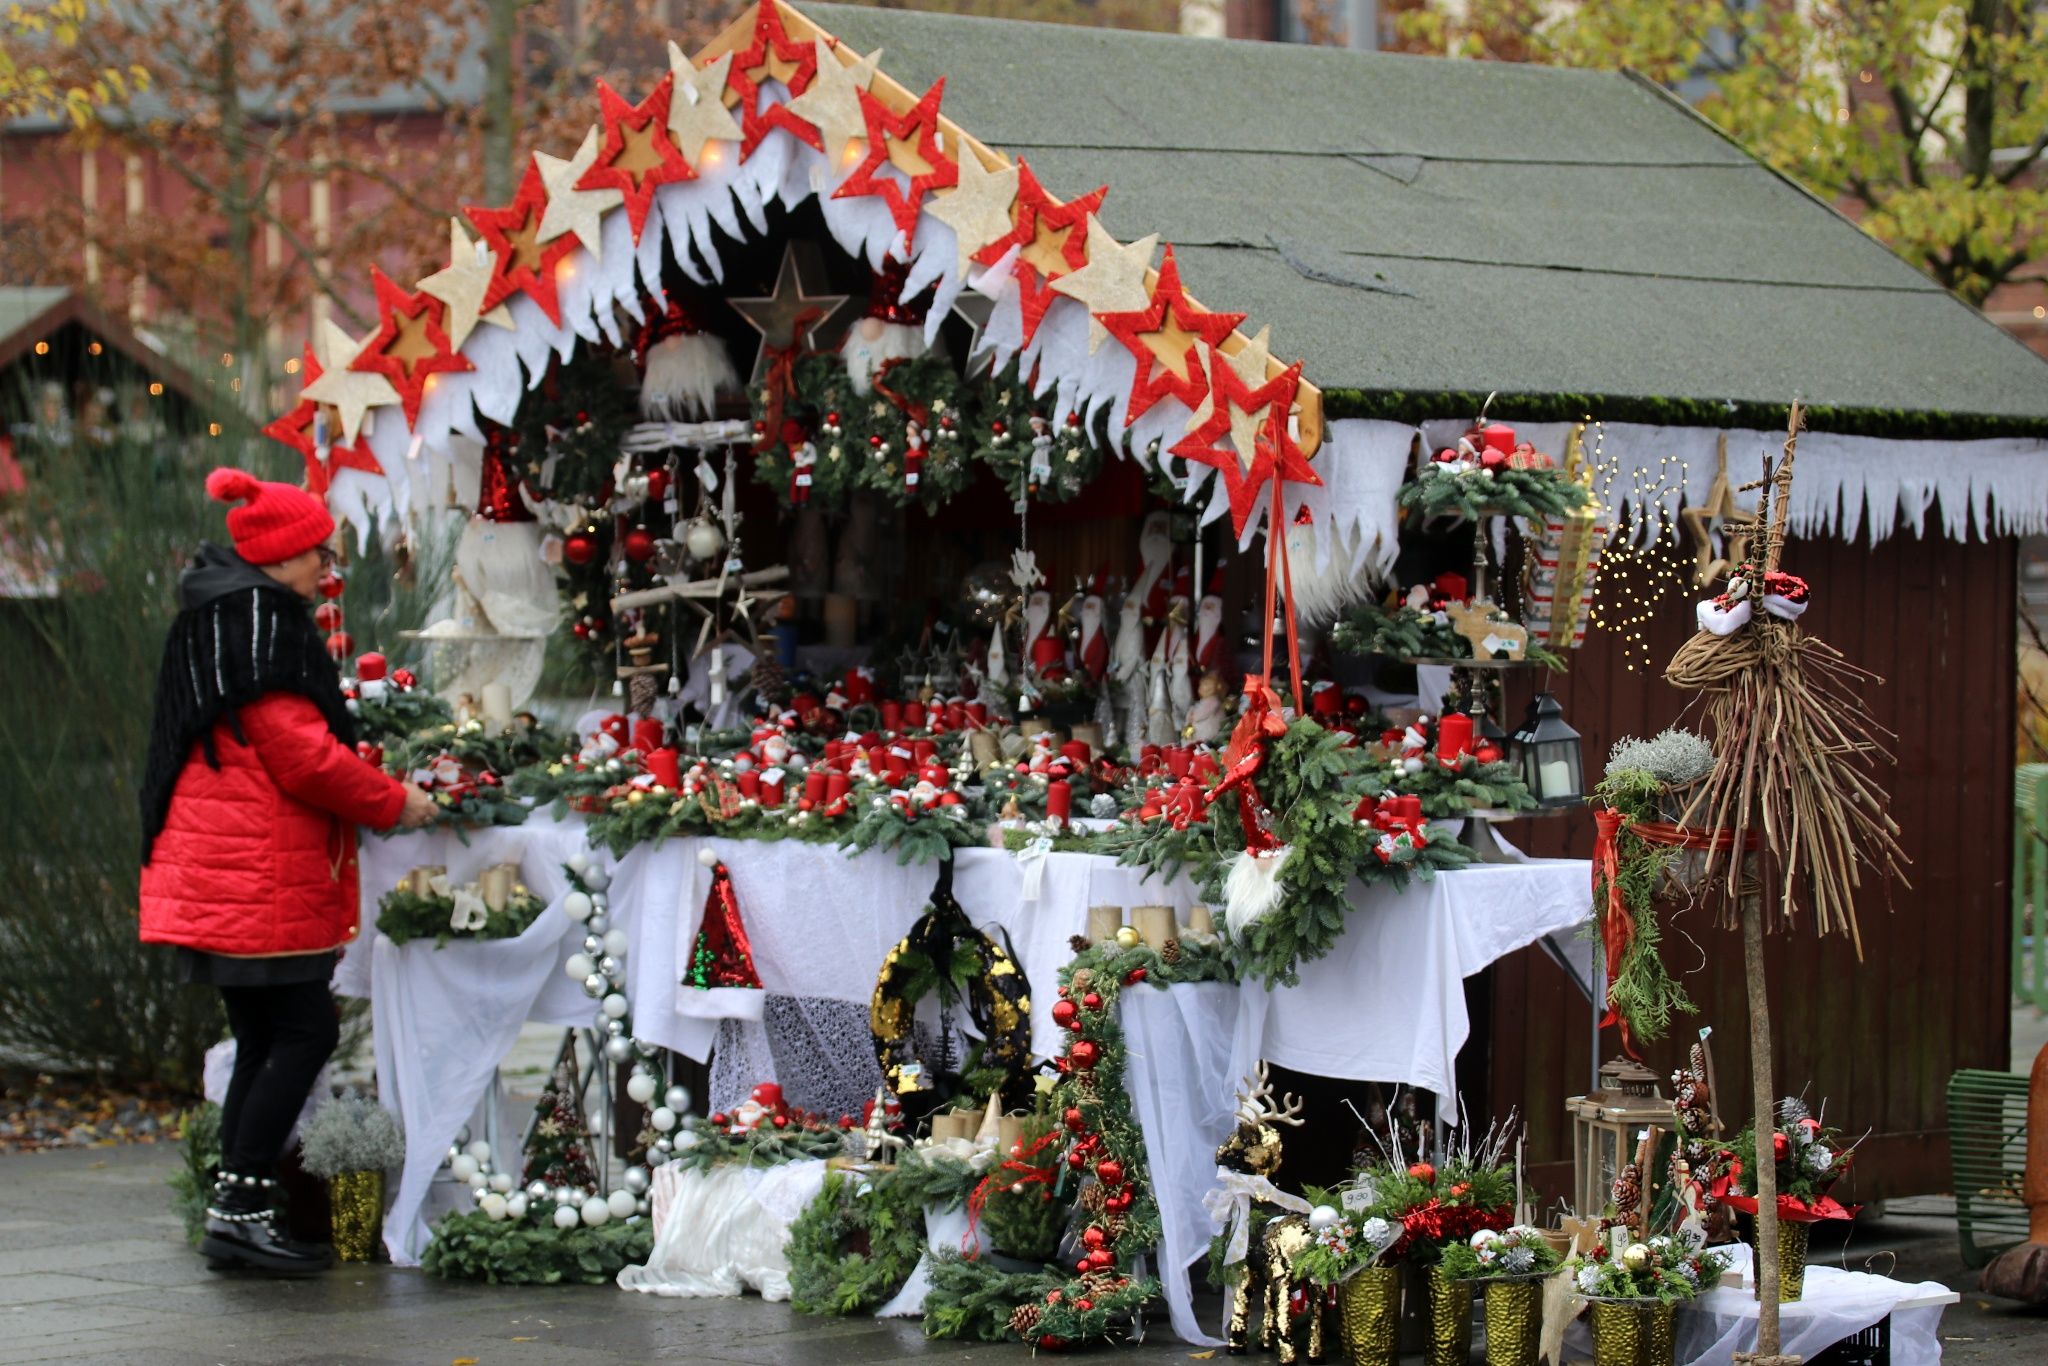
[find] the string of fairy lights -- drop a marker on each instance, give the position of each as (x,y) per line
(1639,573)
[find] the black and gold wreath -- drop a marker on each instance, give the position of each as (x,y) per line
(944,953)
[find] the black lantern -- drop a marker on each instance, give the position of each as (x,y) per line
(1547,752)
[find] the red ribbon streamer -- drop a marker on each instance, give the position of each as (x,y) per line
(780,381)
(1656,832)
(1617,928)
(1020,1173)
(1793,1210)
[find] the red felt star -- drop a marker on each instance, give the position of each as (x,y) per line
(295,429)
(522,265)
(773,55)
(1166,338)
(411,344)
(889,144)
(1274,454)
(638,154)
(1053,238)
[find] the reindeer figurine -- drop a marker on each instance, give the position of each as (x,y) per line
(1244,1170)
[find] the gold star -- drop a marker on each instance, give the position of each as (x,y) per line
(696,106)
(462,286)
(1707,524)
(780,315)
(831,103)
(978,208)
(570,209)
(352,392)
(1250,363)
(1113,280)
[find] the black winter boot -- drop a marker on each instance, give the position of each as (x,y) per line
(242,1231)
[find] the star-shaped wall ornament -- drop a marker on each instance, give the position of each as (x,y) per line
(1721,529)
(796,313)
(832,104)
(463,284)
(351,393)
(296,429)
(975,309)
(1241,429)
(772,56)
(410,346)
(521,262)
(902,147)
(573,210)
(1112,281)
(977,208)
(638,156)
(697,115)
(1052,240)
(1167,339)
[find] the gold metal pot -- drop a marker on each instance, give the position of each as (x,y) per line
(1369,1315)
(1633,1333)
(1514,1320)
(356,1200)
(1792,1240)
(1450,1321)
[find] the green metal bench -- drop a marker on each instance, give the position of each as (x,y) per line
(2030,885)
(1987,1143)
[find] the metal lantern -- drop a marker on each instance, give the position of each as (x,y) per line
(1547,751)
(1605,1126)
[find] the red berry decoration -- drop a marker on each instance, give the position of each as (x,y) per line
(1084,1305)
(1075,1122)
(997,428)
(327,616)
(579,548)
(875,441)
(639,545)
(1085,1054)
(1052,1297)
(1092,1001)
(1065,1014)
(1422,1171)
(330,585)
(1109,1172)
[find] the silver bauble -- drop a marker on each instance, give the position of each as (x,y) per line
(636,1179)
(677,1099)
(640,1206)
(615,1027)
(608,965)
(597,925)
(618,1050)
(593,945)
(595,984)
(536,1190)
(664,1144)
(985,593)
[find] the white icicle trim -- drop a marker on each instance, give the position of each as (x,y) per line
(1252,889)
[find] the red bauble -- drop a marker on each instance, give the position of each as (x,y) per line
(1065,1014)
(1052,1297)
(1134,976)
(1422,1171)
(1085,1264)
(1052,1344)
(340,646)
(330,585)
(639,545)
(1084,1305)
(1077,1159)
(579,548)
(1121,1201)
(721,1119)
(327,616)
(781,1121)
(1092,1001)
(1074,1120)
(1109,1172)
(1094,1237)
(657,484)
(403,679)
(1084,1054)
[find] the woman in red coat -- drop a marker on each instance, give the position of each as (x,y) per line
(249,807)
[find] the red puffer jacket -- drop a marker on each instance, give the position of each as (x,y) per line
(257,858)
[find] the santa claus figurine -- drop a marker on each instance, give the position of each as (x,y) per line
(682,368)
(1210,645)
(762,1106)
(803,459)
(892,328)
(914,434)
(1094,649)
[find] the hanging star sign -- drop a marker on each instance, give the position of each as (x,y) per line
(573,210)
(902,148)
(351,393)
(296,429)
(521,262)
(794,314)
(1051,243)
(1241,429)
(697,116)
(772,56)
(977,208)
(637,156)
(1168,338)
(1113,280)
(832,105)
(410,346)
(1721,529)
(463,285)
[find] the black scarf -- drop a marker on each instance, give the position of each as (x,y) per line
(239,634)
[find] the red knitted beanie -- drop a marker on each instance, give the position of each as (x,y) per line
(275,522)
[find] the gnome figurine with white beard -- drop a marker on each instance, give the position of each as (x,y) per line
(892,328)
(682,368)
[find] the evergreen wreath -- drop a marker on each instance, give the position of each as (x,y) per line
(1003,440)
(859,438)
(945,955)
(855,1244)
(403,916)
(1438,491)
(1640,990)
(824,398)
(470,1247)
(975,1299)
(570,427)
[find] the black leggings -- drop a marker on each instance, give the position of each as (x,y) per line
(283,1036)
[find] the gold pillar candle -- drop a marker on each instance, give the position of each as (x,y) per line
(1514,1321)
(986,747)
(420,880)
(1033,725)
(1792,1240)
(1450,1321)
(356,1213)
(1104,922)
(947,1124)
(1089,734)
(1154,924)
(1632,1333)
(1369,1315)
(1200,921)
(494,885)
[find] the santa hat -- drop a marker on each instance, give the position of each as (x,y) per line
(276,522)
(720,977)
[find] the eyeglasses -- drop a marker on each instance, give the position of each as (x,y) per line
(328,559)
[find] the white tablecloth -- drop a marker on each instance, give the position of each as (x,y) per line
(723,1231)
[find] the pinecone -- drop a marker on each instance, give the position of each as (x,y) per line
(1102,1284)
(1171,953)
(1079,943)
(1024,1320)
(1094,1198)
(768,681)
(1628,1189)
(1080,980)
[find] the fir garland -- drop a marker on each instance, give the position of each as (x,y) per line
(1640,989)
(404,916)
(1452,793)
(854,1245)
(928,836)
(1402,633)
(701,1144)
(1004,441)
(975,1299)
(860,437)
(471,1247)
(1439,491)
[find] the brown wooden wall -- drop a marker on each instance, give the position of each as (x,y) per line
(1878,1039)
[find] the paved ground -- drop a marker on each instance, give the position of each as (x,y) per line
(93,1270)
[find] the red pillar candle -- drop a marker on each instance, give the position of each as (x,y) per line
(913,716)
(1059,802)
(892,714)
(1453,736)
(1205,769)
(1077,753)
(749,783)
(956,715)
(922,752)
(771,787)
(836,787)
(1179,758)
(666,767)
(814,787)
(369,667)
(647,735)
(1409,807)
(976,713)
(897,761)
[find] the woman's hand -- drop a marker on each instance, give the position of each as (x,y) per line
(419,808)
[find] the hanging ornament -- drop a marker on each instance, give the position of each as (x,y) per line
(638,156)
(497,498)
(579,547)
(682,367)
(310,426)
(1166,339)
(890,329)
(1241,428)
(772,56)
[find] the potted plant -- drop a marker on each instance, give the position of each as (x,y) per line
(1510,1265)
(1811,1158)
(1635,1293)
(351,1141)
(1349,1256)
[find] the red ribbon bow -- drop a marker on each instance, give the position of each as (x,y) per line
(1617,928)
(1014,1171)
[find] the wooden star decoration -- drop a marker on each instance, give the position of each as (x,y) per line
(792,314)
(351,393)
(1168,338)
(1051,240)
(832,104)
(908,146)
(697,116)
(521,262)
(773,55)
(977,208)
(410,346)
(573,210)
(1241,429)
(1112,281)
(637,157)
(975,310)
(1721,530)
(463,285)
(296,429)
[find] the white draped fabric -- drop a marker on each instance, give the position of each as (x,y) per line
(720,1232)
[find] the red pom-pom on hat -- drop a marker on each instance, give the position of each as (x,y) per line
(232,486)
(275,522)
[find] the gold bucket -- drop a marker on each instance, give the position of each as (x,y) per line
(1450,1321)
(1633,1333)
(356,1204)
(1369,1315)
(1792,1240)
(1514,1320)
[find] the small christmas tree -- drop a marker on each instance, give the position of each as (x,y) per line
(559,1152)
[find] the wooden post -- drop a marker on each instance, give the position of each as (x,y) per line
(1764,1155)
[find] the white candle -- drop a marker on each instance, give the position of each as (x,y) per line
(497,705)
(1555,779)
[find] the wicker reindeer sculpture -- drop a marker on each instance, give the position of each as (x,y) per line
(1290,1325)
